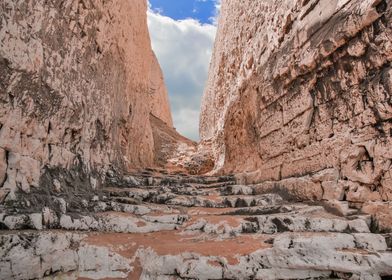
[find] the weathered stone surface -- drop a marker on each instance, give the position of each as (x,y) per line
(173,151)
(78,83)
(296,87)
(35,256)
(299,189)
(382,213)
(3,166)
(99,256)
(190,227)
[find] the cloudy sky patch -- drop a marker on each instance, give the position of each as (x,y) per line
(183,44)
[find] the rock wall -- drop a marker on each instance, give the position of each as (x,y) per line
(78,83)
(299,87)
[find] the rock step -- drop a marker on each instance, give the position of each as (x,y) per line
(210,185)
(271,224)
(187,189)
(168,180)
(198,180)
(149,192)
(179,188)
(217,201)
(101,222)
(141,218)
(211,198)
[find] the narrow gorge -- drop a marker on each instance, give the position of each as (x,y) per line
(292,177)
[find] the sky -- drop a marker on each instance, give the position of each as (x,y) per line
(182,36)
(202,10)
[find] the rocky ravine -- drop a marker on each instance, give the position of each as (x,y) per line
(297,108)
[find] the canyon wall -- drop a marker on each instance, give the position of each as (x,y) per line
(78,84)
(300,87)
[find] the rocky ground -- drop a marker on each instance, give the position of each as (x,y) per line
(161,226)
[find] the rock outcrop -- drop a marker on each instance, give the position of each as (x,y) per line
(78,84)
(303,87)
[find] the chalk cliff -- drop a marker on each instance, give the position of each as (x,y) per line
(78,83)
(300,87)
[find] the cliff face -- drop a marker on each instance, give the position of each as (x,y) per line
(298,87)
(78,83)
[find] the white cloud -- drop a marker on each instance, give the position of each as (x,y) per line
(187,122)
(183,49)
(214,19)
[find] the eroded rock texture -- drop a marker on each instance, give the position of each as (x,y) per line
(298,87)
(78,83)
(159,226)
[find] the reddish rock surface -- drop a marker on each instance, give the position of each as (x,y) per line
(298,87)
(79,83)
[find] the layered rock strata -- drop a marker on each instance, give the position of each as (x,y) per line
(78,84)
(157,226)
(300,87)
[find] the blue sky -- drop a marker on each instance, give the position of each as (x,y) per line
(182,36)
(202,10)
